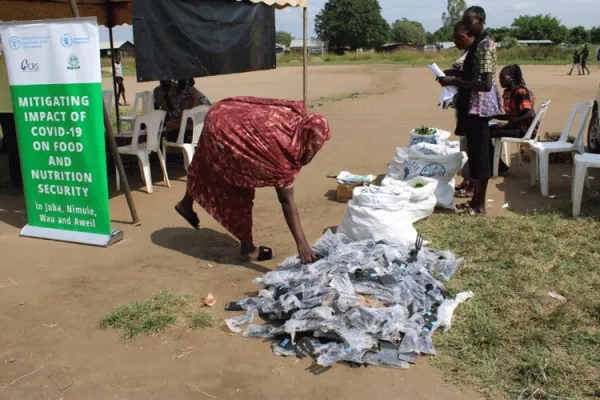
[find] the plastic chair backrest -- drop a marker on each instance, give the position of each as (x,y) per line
(582,110)
(196,115)
(107,97)
(153,121)
(136,101)
(536,125)
(147,102)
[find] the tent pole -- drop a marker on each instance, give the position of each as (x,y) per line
(112,143)
(112,57)
(305,56)
(74,8)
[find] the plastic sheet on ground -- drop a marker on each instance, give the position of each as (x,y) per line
(362,302)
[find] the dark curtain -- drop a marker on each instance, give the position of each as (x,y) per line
(177,39)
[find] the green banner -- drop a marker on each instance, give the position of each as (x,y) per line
(55,80)
(61,142)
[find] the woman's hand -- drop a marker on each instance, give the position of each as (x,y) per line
(290,212)
(306,254)
(447,81)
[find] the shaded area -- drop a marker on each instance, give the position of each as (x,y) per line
(205,244)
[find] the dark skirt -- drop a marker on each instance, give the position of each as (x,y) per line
(477,131)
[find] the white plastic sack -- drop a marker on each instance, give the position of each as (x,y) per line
(363,223)
(440,162)
(438,137)
(379,213)
(422,199)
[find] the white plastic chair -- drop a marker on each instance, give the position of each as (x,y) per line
(147,99)
(153,121)
(503,143)
(196,115)
(581,164)
(107,97)
(540,151)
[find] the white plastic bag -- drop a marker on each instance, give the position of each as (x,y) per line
(379,213)
(437,137)
(439,161)
(363,223)
(422,199)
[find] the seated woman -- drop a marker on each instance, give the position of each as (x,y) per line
(175,99)
(249,143)
(518,106)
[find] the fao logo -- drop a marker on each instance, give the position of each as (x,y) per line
(73,62)
(66,40)
(27,66)
(14,42)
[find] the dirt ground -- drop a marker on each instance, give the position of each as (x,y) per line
(52,294)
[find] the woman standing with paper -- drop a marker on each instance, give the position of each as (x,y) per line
(478,100)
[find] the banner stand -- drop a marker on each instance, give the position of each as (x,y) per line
(92,239)
(56,86)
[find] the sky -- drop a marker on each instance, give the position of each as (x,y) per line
(500,13)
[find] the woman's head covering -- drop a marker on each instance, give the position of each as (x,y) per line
(315,132)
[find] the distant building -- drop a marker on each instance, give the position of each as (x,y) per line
(446,45)
(536,42)
(122,47)
(280,49)
(391,47)
(315,47)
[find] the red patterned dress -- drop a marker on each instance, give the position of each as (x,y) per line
(249,143)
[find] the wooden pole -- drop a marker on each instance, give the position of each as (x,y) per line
(113,144)
(305,57)
(74,8)
(112,57)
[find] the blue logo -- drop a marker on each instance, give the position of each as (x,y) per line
(66,40)
(14,42)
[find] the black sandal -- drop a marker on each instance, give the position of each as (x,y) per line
(192,219)
(463,193)
(464,206)
(264,254)
(471,212)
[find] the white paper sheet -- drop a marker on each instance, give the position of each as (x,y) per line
(449,91)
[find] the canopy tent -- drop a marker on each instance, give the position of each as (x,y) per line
(22,10)
(111,13)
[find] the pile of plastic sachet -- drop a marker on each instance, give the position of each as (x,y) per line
(362,302)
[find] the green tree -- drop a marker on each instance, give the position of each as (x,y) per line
(455,10)
(595,35)
(444,34)
(284,38)
(406,31)
(509,43)
(354,23)
(500,34)
(540,27)
(579,35)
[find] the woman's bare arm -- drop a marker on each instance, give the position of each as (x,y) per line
(292,217)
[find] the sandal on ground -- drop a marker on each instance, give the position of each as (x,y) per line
(264,254)
(192,219)
(463,206)
(472,212)
(463,193)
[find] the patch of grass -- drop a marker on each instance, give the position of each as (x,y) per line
(147,317)
(513,338)
(551,55)
(200,319)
